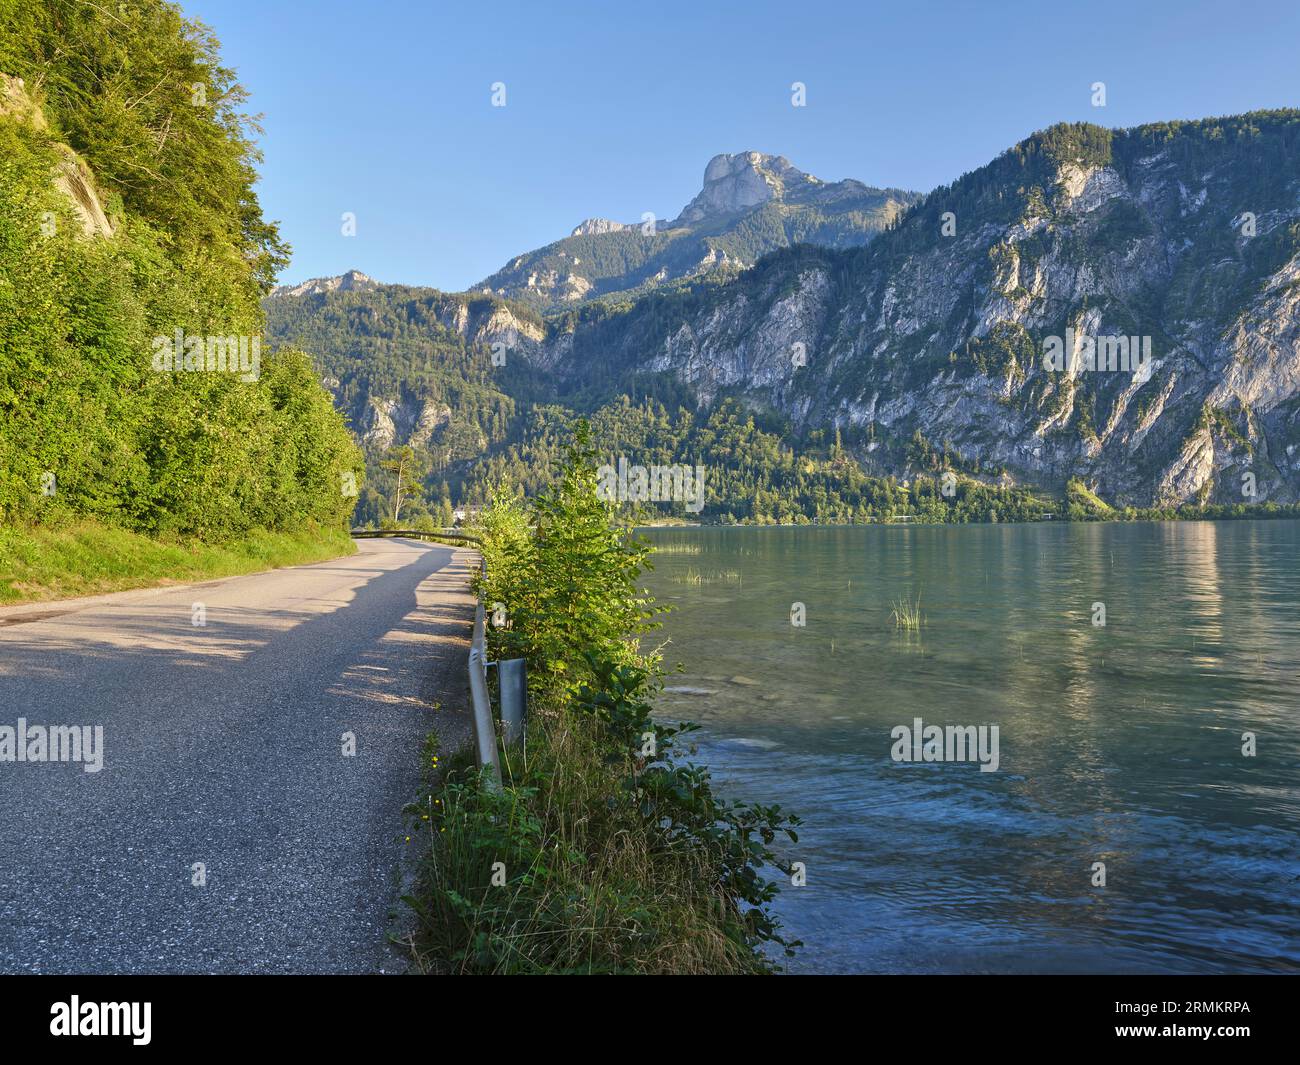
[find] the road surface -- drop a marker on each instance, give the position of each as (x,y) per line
(223,745)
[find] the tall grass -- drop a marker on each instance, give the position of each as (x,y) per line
(558,873)
(697,577)
(907,615)
(677,549)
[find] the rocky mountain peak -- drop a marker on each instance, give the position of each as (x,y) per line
(593,226)
(353,280)
(600,256)
(738,182)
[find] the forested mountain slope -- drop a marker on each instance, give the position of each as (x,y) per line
(927,349)
(1181,235)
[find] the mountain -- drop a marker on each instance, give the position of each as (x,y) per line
(1184,235)
(926,349)
(412,366)
(352,281)
(750,204)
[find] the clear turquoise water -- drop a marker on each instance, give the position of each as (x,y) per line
(1120,744)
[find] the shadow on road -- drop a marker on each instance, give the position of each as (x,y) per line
(224,745)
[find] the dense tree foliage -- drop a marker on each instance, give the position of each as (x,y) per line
(751,474)
(130,106)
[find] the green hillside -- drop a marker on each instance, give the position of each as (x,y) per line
(127,216)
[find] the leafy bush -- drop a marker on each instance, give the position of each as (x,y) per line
(600,852)
(567,575)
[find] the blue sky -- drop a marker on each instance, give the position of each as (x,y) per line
(383,108)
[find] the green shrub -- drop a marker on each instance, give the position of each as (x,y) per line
(600,851)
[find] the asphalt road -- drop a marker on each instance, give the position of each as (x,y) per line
(223,745)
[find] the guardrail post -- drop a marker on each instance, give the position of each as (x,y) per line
(513,680)
(485,736)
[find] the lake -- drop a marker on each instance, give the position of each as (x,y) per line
(1119,743)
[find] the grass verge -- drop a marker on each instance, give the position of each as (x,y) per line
(38,564)
(563,870)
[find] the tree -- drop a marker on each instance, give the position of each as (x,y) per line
(408,466)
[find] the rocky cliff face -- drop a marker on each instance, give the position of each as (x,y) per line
(407,365)
(385,422)
(596,226)
(72,177)
(734,183)
(1183,238)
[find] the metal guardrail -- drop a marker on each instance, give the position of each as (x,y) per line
(510,674)
(441,534)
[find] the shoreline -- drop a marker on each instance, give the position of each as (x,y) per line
(965,524)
